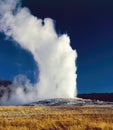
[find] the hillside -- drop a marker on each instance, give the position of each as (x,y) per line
(98,96)
(5,83)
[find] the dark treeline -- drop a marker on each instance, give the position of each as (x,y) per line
(97,96)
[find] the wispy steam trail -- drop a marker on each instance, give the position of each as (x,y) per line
(53,54)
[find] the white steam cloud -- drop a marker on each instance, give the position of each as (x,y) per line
(53,54)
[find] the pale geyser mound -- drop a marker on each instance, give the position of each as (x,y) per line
(52,52)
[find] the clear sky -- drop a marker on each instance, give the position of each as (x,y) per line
(89,23)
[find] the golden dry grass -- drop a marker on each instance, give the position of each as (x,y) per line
(56,118)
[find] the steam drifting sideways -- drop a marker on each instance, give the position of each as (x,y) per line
(52,53)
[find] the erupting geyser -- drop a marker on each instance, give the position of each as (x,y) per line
(52,53)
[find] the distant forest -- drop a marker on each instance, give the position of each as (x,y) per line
(97,96)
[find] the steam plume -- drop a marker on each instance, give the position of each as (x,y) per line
(52,53)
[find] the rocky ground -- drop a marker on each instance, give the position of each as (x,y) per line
(69,102)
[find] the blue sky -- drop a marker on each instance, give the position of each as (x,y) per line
(15,60)
(90,27)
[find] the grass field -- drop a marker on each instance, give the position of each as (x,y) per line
(56,118)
